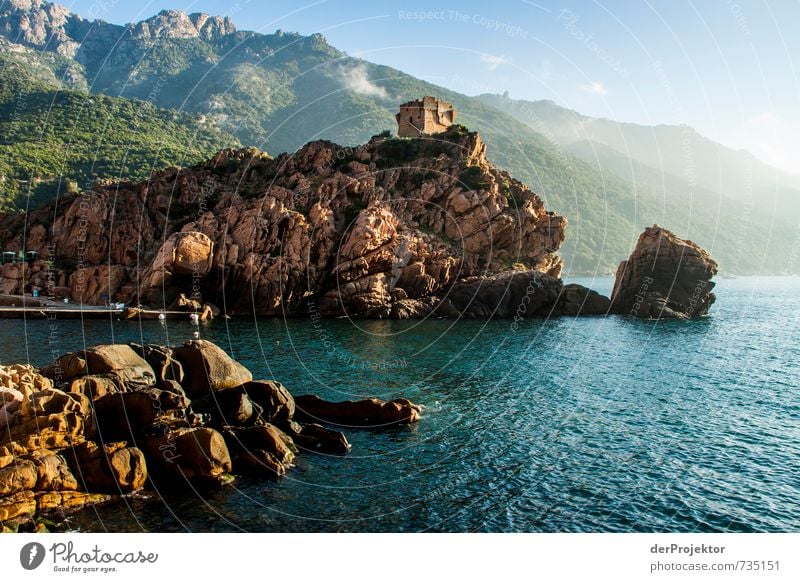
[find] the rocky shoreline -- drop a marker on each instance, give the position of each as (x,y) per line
(395,228)
(116,419)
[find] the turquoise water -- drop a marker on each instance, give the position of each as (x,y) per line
(588,424)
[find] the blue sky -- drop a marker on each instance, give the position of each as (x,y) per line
(729,68)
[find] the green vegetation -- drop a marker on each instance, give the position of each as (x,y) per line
(472,178)
(419,177)
(402,150)
(55,142)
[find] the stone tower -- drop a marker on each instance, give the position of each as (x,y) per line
(424,117)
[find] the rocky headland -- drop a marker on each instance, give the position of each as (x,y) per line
(114,419)
(395,228)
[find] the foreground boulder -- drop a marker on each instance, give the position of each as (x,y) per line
(162,360)
(197,455)
(127,415)
(227,407)
(208,368)
(113,419)
(112,468)
(665,277)
(276,401)
(95,386)
(117,360)
(262,449)
(370,412)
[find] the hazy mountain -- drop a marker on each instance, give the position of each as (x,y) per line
(279,91)
(674,149)
(740,193)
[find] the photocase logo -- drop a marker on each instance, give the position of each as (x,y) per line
(31,555)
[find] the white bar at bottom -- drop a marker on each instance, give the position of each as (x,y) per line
(404,557)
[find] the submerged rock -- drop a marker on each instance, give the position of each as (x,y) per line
(370,412)
(317,438)
(665,277)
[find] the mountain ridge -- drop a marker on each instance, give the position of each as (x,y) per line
(282,90)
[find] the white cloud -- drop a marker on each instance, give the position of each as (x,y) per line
(774,139)
(494,61)
(357,80)
(595,88)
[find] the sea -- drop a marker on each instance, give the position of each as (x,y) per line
(587,424)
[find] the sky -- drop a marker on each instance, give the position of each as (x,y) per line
(728,68)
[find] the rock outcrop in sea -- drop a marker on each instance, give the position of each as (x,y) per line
(665,277)
(113,419)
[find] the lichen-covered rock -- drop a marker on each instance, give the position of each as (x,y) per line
(665,277)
